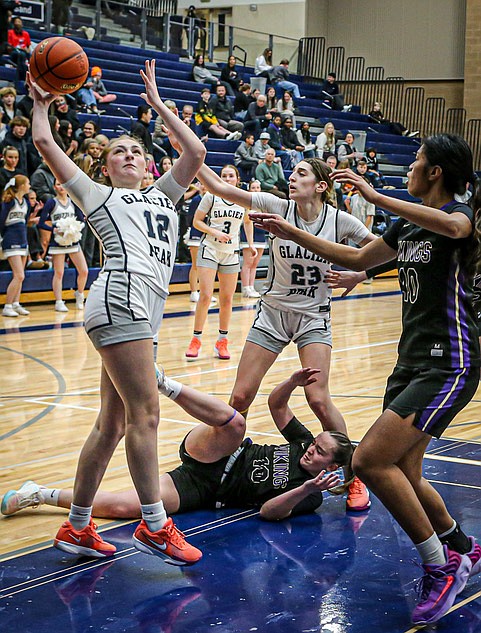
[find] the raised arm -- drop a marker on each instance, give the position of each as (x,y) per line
(279,398)
(214,184)
(193,150)
(62,167)
(372,254)
(453,225)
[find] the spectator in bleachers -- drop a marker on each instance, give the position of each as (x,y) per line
(270,175)
(356,204)
(24,104)
(326,141)
(208,122)
(224,110)
(14,213)
(290,141)
(89,130)
(394,127)
(198,30)
(263,65)
(347,150)
(271,100)
(285,106)
(331,96)
(6,9)
(8,95)
(36,248)
(98,87)
(102,140)
(202,75)
(242,101)
(257,117)
(305,140)
(42,182)
(280,79)
(231,77)
(87,99)
(374,173)
(29,158)
(66,134)
(159,136)
(63,110)
(20,47)
(9,167)
(336,197)
(188,117)
(245,159)
(60,15)
(140,128)
(274,129)
(55,127)
(262,145)
(249,261)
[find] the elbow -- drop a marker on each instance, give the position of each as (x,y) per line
(267,515)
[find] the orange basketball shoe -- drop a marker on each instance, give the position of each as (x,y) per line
(220,349)
(357,496)
(169,543)
(84,542)
(193,350)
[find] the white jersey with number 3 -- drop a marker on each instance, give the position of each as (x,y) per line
(295,280)
(138,229)
(224,216)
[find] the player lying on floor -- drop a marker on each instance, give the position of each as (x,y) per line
(222,468)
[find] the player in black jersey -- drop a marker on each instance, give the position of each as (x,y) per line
(222,469)
(437,248)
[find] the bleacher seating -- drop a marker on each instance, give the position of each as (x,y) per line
(120,65)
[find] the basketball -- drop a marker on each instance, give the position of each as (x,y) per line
(59,65)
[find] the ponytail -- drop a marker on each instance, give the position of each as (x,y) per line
(474,257)
(12,187)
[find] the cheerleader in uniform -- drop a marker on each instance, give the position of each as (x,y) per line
(13,229)
(60,208)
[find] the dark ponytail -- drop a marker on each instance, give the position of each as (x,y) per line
(474,258)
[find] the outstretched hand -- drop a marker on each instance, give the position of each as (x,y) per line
(272,223)
(304,376)
(347,176)
(172,137)
(151,94)
(347,279)
(39,96)
(322,482)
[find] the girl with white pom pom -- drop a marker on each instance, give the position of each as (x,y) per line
(61,217)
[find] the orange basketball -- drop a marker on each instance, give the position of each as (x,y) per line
(59,65)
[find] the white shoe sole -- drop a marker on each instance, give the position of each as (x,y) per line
(142,547)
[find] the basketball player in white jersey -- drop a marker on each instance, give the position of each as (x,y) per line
(138,230)
(55,209)
(220,222)
(295,302)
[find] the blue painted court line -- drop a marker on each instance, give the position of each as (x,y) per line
(326,573)
(180,313)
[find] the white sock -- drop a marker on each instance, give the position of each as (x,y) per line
(171,388)
(79,517)
(8,305)
(451,529)
(50,496)
(431,551)
(154,515)
(16,304)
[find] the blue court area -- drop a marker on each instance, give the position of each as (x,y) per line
(328,572)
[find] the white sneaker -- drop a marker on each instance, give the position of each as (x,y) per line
(253,294)
(213,301)
(20,309)
(194,296)
(233,136)
(8,311)
(28,496)
(79,300)
(60,306)
(245,292)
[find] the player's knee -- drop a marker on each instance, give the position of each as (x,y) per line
(240,400)
(319,405)
(361,464)
(238,424)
